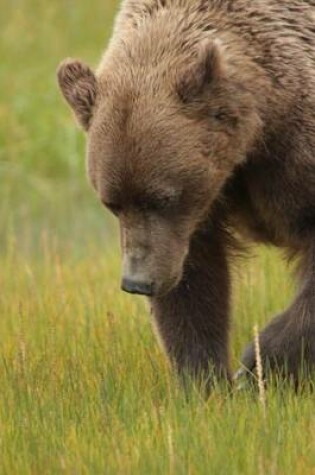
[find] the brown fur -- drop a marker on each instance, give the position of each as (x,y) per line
(201,121)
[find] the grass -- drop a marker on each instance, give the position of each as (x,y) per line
(85,387)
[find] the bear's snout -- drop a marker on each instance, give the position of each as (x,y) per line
(136,275)
(134,287)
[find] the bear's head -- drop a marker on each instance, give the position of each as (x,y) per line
(163,139)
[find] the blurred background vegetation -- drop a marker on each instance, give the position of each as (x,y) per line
(43,188)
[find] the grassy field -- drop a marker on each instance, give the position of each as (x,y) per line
(85,388)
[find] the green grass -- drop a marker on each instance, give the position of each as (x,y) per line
(85,387)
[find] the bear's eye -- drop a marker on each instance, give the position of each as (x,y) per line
(157,204)
(219,114)
(224,116)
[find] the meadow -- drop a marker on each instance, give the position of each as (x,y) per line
(85,387)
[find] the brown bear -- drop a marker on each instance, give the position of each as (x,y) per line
(201,127)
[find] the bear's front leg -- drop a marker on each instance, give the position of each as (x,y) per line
(287,344)
(193,318)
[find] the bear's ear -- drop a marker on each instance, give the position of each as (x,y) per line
(79,87)
(206,67)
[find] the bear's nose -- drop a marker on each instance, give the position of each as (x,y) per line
(134,287)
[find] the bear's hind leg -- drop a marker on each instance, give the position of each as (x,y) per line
(288,342)
(193,319)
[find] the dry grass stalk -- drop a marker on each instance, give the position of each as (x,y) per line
(259,369)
